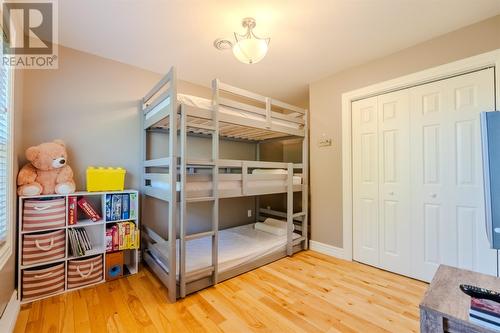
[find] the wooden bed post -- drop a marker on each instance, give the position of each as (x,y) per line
(172,209)
(143,134)
(183,204)
(305,180)
(244,178)
(257,198)
(215,181)
(289,211)
(268,113)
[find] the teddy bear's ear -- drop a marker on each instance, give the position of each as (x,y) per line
(32,153)
(60,142)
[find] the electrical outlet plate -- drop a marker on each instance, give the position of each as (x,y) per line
(324,142)
(249,213)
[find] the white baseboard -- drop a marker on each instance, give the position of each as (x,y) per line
(328,249)
(9,317)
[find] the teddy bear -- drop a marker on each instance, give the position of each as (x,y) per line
(47,172)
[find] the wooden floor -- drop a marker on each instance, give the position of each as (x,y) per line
(308,292)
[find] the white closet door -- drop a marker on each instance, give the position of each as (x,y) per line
(365,181)
(394,181)
(446,175)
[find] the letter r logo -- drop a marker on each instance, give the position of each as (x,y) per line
(36,35)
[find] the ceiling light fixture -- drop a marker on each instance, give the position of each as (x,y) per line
(247,48)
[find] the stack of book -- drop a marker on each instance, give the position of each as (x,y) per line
(122,236)
(79,241)
(118,207)
(485,313)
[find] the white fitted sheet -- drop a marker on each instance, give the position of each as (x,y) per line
(193,186)
(237,246)
(203,103)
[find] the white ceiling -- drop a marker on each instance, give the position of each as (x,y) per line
(310,39)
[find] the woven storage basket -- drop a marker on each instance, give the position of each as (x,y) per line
(82,272)
(43,247)
(44,214)
(40,282)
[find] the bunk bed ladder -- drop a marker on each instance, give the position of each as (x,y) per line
(184,237)
(148,103)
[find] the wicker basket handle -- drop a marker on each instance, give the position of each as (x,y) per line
(46,248)
(43,275)
(44,207)
(87,274)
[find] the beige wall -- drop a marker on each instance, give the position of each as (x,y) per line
(325,104)
(92,104)
(289,151)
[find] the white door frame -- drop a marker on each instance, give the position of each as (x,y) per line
(490,59)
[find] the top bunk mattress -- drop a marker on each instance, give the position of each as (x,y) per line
(223,184)
(204,103)
(237,246)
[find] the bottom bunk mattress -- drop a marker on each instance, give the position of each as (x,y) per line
(237,246)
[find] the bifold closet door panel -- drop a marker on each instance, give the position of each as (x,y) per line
(365,181)
(446,175)
(394,182)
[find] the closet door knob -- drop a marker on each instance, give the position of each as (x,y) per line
(434,195)
(391,193)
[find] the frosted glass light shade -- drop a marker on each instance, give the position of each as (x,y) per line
(250,50)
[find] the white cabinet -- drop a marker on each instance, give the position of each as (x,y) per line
(417,177)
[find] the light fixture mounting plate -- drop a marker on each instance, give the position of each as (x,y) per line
(248,22)
(222,44)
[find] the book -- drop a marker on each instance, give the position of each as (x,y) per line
(132,205)
(485,306)
(122,236)
(125,206)
(79,241)
(137,243)
(485,323)
(88,209)
(109,240)
(126,232)
(132,235)
(108,207)
(115,240)
(85,241)
(484,312)
(72,243)
(116,207)
(72,210)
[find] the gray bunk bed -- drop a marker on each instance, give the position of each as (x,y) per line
(183,265)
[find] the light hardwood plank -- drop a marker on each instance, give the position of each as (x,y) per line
(308,292)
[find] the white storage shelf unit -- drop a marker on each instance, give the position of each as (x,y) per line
(95,230)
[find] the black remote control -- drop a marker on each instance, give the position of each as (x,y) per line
(481,293)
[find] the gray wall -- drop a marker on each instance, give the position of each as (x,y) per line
(325,104)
